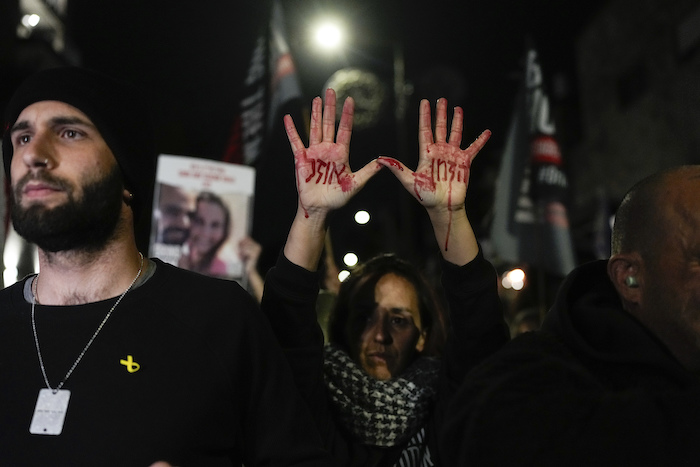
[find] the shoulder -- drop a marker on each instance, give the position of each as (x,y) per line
(169,276)
(216,311)
(531,348)
(530,366)
(177,289)
(12,295)
(13,309)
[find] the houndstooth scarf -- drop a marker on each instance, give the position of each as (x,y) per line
(380,413)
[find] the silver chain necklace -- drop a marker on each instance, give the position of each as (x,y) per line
(82,353)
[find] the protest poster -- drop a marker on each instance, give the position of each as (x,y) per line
(202,209)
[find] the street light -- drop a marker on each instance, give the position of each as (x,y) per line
(363,75)
(362,217)
(350,259)
(328,35)
(31,20)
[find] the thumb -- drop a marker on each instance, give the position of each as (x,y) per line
(362,176)
(400,171)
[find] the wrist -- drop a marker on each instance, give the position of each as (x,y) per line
(306,238)
(444,214)
(313,218)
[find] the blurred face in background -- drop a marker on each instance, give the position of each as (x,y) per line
(174,208)
(208,228)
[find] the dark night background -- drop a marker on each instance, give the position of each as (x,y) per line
(192,57)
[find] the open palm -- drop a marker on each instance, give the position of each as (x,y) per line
(324,178)
(442,176)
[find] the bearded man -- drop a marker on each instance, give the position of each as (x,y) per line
(108,357)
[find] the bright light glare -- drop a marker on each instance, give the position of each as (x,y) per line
(514,279)
(329,36)
(362,217)
(517,275)
(505,282)
(342,275)
(350,259)
(9,276)
(30,21)
(14,246)
(13,249)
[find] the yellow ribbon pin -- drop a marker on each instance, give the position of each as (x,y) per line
(130,364)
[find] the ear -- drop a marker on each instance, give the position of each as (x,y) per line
(420,344)
(625,272)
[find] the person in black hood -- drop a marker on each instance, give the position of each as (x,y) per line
(612,376)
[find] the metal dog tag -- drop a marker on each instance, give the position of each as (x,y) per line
(50,412)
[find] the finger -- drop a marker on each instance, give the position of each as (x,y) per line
(315,128)
(345,125)
(293,136)
(400,171)
(362,176)
(425,131)
(329,117)
(441,121)
(478,143)
(457,127)
(392,164)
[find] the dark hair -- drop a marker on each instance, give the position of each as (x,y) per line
(358,289)
(208,197)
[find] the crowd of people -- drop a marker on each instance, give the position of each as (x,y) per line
(109,357)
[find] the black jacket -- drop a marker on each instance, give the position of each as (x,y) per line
(477,330)
(593,387)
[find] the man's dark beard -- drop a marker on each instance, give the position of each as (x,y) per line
(174,235)
(86,224)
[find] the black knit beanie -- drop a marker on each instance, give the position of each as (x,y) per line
(118,111)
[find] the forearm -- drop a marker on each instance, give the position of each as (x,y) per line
(477,328)
(290,305)
(257,285)
(280,418)
(306,237)
(454,235)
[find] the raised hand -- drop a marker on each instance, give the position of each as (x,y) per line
(442,176)
(441,179)
(324,178)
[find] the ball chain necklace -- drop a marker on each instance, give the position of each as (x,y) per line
(51,405)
